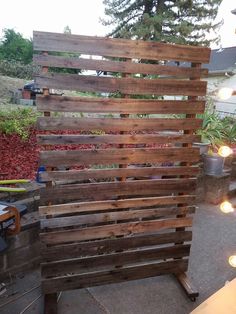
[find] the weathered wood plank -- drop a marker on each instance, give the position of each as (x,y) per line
(124,85)
(114,204)
(107,231)
(128,215)
(117,66)
(136,172)
(97,247)
(188,287)
(113,276)
(50,303)
(109,190)
(80,265)
(118,105)
(116,124)
(124,48)
(189,116)
(120,156)
(117,139)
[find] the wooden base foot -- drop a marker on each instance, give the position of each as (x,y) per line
(189,289)
(50,303)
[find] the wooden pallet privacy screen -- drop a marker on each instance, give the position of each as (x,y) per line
(118,208)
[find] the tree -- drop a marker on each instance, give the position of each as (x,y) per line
(14,47)
(67,30)
(177,21)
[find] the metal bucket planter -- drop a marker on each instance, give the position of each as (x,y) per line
(203,147)
(213,164)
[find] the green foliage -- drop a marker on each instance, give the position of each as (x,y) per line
(15,47)
(180,21)
(211,130)
(17,121)
(17,69)
(97,132)
(229,130)
(16,54)
(217,131)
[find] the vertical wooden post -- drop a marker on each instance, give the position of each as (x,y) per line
(46,113)
(189,116)
(50,300)
(124,116)
(122,145)
(182,278)
(50,303)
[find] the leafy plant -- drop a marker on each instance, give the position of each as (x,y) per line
(229,130)
(217,131)
(17,121)
(14,46)
(212,129)
(17,69)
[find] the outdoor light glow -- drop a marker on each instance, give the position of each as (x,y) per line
(224,151)
(225,93)
(232,260)
(226,207)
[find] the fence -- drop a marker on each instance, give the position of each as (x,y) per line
(118,208)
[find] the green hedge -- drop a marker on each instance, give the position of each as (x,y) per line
(18,121)
(17,69)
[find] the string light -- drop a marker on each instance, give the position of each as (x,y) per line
(225,151)
(225,93)
(232,260)
(226,207)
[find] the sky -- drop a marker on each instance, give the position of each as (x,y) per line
(82,16)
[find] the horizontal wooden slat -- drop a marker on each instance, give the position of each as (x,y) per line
(117,139)
(97,247)
(117,66)
(108,190)
(79,220)
(138,49)
(81,265)
(76,175)
(107,231)
(118,105)
(127,85)
(116,124)
(121,156)
(115,204)
(113,276)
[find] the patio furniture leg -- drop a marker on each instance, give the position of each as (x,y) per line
(189,289)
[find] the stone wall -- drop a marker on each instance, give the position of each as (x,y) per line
(212,189)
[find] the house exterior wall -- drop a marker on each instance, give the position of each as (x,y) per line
(224,107)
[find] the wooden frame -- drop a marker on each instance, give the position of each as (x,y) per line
(118,208)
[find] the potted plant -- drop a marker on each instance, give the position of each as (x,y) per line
(211,132)
(213,163)
(216,132)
